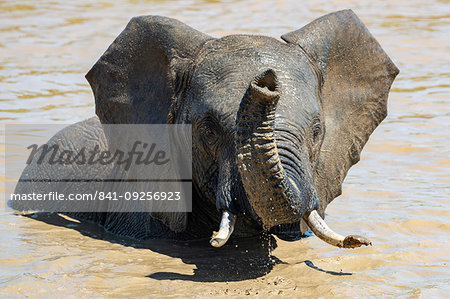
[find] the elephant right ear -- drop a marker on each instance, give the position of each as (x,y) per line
(137,78)
(357,76)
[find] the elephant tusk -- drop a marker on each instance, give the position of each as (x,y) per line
(225,230)
(321,230)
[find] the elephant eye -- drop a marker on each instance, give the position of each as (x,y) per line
(207,132)
(209,136)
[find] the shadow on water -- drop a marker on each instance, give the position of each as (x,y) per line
(311,265)
(239,259)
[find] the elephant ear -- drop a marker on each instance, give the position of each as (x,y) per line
(138,77)
(138,80)
(357,76)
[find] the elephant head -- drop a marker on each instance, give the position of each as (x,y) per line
(276,124)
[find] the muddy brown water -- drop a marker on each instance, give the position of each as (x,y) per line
(397,195)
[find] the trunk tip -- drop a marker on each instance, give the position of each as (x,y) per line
(267,80)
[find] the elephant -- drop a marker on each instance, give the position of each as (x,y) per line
(276,124)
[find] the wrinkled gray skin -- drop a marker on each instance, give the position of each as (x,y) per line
(276,123)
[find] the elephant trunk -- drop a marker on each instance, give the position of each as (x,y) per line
(276,197)
(270,192)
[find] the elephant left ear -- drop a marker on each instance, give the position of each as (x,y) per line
(139,77)
(357,75)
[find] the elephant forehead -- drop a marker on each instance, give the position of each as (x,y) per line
(234,61)
(226,66)
(240,57)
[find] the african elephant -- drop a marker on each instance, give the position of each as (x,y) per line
(276,124)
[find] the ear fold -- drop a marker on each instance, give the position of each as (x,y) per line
(136,78)
(357,76)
